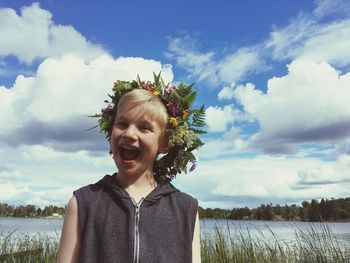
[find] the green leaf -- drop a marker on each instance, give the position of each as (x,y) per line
(135,85)
(138,79)
(198,118)
(191,156)
(198,131)
(93,126)
(95,115)
(195,145)
(190,98)
(157,78)
(184,90)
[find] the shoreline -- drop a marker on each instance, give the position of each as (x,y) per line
(279,220)
(207,218)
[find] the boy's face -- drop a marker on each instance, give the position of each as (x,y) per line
(136,140)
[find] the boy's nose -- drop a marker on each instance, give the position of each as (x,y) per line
(130,132)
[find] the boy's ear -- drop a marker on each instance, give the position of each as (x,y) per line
(163,149)
(164,145)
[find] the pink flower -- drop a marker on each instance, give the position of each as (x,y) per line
(149,86)
(167,90)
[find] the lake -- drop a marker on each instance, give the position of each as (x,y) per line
(51,227)
(268,230)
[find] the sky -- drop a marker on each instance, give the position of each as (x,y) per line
(274,77)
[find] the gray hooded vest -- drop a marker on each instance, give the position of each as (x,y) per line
(113,228)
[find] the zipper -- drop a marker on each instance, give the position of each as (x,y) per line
(136,230)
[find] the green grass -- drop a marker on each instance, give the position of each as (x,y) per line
(220,247)
(241,247)
(28,248)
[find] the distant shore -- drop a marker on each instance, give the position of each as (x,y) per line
(323,210)
(34,217)
(205,218)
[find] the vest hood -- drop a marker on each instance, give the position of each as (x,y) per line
(110,182)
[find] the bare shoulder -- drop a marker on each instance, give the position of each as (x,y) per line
(71,215)
(72,207)
(69,247)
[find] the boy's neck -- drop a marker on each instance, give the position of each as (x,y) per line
(137,186)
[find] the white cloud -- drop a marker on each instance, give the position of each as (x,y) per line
(229,144)
(199,65)
(307,38)
(227,92)
(214,148)
(219,119)
(33,35)
(211,67)
(327,7)
(10,192)
(240,63)
(247,95)
(259,179)
(41,175)
(309,104)
(53,104)
(225,181)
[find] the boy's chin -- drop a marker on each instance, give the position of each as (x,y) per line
(127,174)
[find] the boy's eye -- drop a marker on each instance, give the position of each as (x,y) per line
(146,128)
(121,124)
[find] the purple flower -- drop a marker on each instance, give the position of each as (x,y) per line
(173,107)
(106,110)
(194,165)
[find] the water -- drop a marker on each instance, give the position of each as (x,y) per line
(49,226)
(272,231)
(268,230)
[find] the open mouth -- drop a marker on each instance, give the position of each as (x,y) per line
(129,153)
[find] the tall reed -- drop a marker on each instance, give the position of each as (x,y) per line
(27,248)
(241,247)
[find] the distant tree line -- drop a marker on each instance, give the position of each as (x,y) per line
(324,210)
(29,210)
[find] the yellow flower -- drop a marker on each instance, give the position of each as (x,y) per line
(185,114)
(155,93)
(173,121)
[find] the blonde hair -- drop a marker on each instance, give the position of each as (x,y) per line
(151,104)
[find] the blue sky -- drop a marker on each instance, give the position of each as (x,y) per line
(274,77)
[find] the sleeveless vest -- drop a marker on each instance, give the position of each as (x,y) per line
(113,228)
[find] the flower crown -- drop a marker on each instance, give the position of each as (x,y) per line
(182,127)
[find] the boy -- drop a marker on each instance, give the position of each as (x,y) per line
(136,215)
